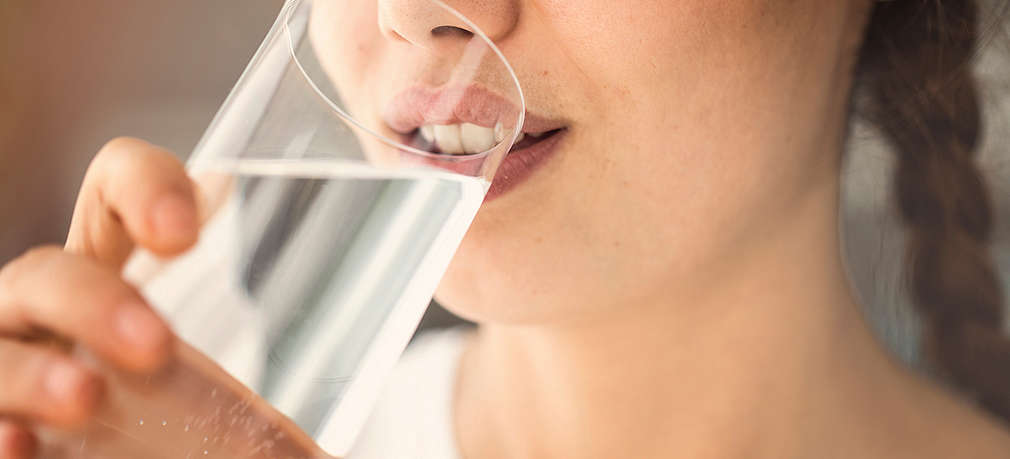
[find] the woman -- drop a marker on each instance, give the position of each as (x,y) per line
(669,283)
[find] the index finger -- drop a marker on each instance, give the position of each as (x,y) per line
(133,194)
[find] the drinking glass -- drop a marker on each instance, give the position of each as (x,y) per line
(334,186)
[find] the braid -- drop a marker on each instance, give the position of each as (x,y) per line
(916,69)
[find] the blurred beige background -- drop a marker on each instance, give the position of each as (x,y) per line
(74,74)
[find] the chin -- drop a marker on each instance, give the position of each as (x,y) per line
(490,293)
(487,297)
(470,302)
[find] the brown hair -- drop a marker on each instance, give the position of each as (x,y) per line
(916,76)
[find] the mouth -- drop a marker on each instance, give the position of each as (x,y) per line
(469,139)
(463,121)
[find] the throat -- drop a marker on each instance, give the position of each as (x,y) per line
(741,376)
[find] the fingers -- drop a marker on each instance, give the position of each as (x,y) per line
(16,441)
(81,300)
(41,384)
(133,193)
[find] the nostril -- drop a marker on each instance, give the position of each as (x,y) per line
(451,31)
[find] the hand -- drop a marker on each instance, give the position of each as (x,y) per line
(59,307)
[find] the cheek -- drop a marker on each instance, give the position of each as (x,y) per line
(718,102)
(623,45)
(349,45)
(682,145)
(667,81)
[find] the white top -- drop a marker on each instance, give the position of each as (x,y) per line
(413,417)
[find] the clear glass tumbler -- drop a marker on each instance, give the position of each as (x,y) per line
(335,184)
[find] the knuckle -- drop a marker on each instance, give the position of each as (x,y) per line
(119,146)
(108,295)
(42,254)
(33,260)
(112,150)
(94,286)
(112,154)
(125,159)
(102,302)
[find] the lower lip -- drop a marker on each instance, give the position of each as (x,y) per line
(519,165)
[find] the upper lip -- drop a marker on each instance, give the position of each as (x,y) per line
(423,105)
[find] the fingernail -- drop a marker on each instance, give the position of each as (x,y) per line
(63,381)
(139,327)
(174,217)
(77,391)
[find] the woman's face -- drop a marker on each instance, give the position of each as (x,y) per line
(692,129)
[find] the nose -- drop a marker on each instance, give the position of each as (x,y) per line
(426,24)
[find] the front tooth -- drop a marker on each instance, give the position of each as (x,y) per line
(476,138)
(522,135)
(447,138)
(428,133)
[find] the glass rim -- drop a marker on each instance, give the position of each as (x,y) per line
(289,9)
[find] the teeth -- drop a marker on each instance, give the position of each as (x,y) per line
(448,139)
(499,134)
(476,138)
(428,132)
(461,138)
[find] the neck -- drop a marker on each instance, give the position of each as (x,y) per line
(727,372)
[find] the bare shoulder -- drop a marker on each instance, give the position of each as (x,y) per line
(915,416)
(956,428)
(975,435)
